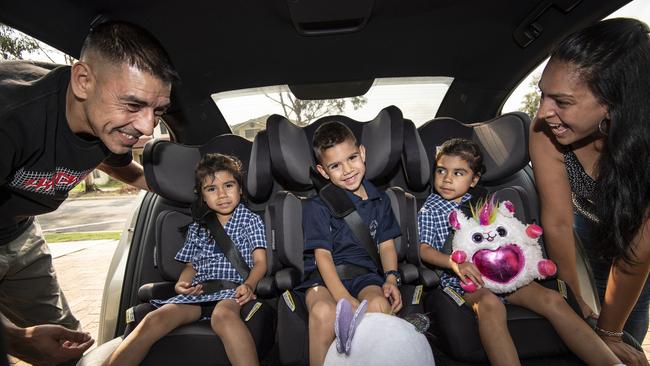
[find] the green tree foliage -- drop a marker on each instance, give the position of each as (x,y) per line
(303,112)
(531,100)
(14,44)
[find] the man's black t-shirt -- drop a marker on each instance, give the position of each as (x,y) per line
(41,160)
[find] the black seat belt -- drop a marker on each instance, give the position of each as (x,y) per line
(341,206)
(223,241)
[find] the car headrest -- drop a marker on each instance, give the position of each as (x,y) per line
(291,154)
(169,166)
(503,141)
(417,170)
(259,182)
(382,137)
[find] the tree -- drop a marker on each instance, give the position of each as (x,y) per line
(13,44)
(530,104)
(303,112)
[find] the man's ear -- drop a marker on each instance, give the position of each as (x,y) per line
(82,80)
(362,152)
(322,171)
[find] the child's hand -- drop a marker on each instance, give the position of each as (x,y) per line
(467,270)
(391,292)
(186,288)
(244,293)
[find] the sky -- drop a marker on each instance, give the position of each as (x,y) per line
(639,9)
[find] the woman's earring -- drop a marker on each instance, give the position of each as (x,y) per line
(603,126)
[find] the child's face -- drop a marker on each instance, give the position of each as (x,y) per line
(344,165)
(221,193)
(453,177)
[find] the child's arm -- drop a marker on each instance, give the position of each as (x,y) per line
(464,270)
(388,256)
(325,264)
(246,291)
(184,284)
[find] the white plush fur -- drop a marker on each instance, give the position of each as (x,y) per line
(516,234)
(382,339)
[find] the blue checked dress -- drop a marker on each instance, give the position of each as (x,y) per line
(433,227)
(244,228)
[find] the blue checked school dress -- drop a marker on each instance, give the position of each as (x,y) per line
(245,229)
(433,227)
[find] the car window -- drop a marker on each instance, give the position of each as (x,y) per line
(246,110)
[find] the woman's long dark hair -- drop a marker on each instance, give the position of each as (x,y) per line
(613,58)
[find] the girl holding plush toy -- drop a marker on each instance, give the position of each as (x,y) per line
(494,254)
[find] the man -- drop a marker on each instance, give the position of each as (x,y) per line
(53,132)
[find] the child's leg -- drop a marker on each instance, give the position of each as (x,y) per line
(377,302)
(237,340)
(154,326)
(574,331)
(493,327)
(322,313)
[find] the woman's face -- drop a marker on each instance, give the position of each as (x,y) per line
(568,107)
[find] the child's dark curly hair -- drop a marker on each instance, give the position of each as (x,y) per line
(465,149)
(212,163)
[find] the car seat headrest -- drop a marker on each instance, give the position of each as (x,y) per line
(169,166)
(291,155)
(503,141)
(382,137)
(417,171)
(259,181)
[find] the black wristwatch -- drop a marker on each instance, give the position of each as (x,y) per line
(398,276)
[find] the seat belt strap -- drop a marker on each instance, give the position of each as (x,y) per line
(213,286)
(341,206)
(223,241)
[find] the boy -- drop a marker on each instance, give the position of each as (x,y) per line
(329,241)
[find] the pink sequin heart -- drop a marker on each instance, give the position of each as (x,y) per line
(500,265)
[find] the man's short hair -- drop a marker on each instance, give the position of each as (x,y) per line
(330,134)
(121,42)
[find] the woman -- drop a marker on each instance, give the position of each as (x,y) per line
(589,146)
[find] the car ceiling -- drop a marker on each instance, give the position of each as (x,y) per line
(226,45)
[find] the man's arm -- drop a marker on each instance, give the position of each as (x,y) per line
(46,344)
(131,174)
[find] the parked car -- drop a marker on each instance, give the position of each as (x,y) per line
(404,75)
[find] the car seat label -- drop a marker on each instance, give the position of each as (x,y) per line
(130,317)
(254,310)
(454,295)
(288,299)
(417,295)
(561,288)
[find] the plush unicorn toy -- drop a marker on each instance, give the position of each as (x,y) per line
(504,250)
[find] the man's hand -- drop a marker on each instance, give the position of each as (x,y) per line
(626,353)
(48,344)
(244,293)
(391,292)
(186,288)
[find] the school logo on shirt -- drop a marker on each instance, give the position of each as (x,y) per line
(373,228)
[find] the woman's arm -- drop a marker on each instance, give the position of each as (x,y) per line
(624,285)
(556,208)
(325,264)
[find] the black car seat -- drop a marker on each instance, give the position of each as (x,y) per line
(169,169)
(292,163)
(503,142)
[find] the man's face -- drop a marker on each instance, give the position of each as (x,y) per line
(123,104)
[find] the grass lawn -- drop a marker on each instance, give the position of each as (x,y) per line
(76,236)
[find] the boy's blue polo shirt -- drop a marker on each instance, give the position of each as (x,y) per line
(322,230)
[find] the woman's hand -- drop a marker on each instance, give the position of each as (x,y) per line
(186,288)
(626,353)
(244,293)
(465,271)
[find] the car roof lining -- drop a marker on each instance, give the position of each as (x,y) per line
(435,38)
